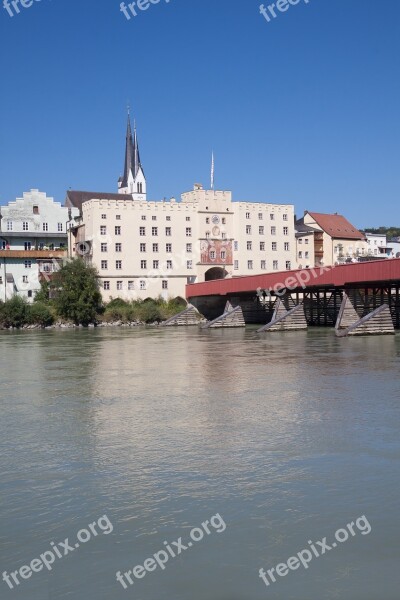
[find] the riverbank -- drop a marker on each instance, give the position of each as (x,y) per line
(62,325)
(16,314)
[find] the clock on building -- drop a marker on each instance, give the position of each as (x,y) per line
(215,219)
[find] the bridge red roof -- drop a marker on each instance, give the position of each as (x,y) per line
(369,273)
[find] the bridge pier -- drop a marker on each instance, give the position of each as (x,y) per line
(286,319)
(231,317)
(377,322)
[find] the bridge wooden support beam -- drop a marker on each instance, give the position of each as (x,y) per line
(286,320)
(321,306)
(189,316)
(377,322)
(231,317)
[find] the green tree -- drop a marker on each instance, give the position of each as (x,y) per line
(389,231)
(76,293)
(14,312)
(43,294)
(40,314)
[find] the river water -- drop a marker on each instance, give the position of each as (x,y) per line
(287,437)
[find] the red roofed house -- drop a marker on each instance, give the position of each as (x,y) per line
(336,240)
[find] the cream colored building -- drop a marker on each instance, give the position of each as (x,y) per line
(336,240)
(264,238)
(145,248)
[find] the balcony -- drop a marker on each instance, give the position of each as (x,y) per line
(33,254)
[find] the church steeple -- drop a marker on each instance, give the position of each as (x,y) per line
(136,164)
(133,181)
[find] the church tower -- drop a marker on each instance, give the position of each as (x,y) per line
(133,181)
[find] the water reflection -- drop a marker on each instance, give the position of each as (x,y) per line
(288,436)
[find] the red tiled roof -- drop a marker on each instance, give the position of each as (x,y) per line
(337,226)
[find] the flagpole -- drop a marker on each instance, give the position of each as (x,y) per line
(212,170)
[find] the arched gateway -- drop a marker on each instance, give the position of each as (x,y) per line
(215,273)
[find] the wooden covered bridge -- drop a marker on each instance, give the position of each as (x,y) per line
(322,292)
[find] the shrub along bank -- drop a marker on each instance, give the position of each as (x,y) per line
(146,311)
(17,313)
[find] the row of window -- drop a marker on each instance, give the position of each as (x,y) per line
(271,216)
(25,226)
(143,264)
(131,285)
(44,268)
(261,230)
(168,231)
(104,216)
(300,241)
(143,247)
(306,254)
(144,218)
(274,246)
(223,219)
(223,235)
(339,249)
(142,231)
(222,254)
(263,265)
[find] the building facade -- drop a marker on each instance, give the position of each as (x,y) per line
(394,246)
(305,251)
(149,249)
(336,240)
(378,246)
(33,241)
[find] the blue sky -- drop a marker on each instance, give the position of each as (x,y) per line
(304,109)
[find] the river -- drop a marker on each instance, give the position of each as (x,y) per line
(276,441)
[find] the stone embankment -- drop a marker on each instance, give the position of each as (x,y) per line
(67,325)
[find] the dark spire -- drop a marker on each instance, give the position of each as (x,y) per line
(136,155)
(132,156)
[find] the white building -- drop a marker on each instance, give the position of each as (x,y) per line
(377,245)
(33,238)
(394,247)
(145,248)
